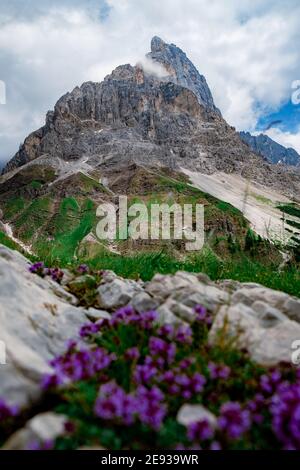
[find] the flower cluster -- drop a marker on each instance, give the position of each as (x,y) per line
(132,354)
(127,316)
(162,349)
(138,374)
(143,373)
(218,371)
(152,410)
(146,405)
(45,445)
(270,382)
(56,274)
(200,431)
(124,316)
(89,329)
(182,384)
(256,406)
(181,334)
(114,404)
(285,409)
(202,315)
(233,420)
(40,269)
(77,364)
(83,269)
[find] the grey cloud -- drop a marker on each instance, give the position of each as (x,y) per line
(29,9)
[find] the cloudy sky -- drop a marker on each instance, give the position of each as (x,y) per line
(248,50)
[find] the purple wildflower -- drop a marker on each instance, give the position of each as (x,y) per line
(144,373)
(200,431)
(125,315)
(132,354)
(202,315)
(197,383)
(159,347)
(218,371)
(46,445)
(38,268)
(7,411)
(69,427)
(184,334)
(184,385)
(215,445)
(270,382)
(83,269)
(167,331)
(151,409)
(147,319)
(285,409)
(56,274)
(233,420)
(256,407)
(77,365)
(186,363)
(114,404)
(146,405)
(90,329)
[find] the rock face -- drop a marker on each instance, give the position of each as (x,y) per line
(181,71)
(189,414)
(271,150)
(45,427)
(36,320)
(138,116)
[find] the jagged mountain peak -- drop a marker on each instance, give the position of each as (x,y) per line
(157,44)
(181,71)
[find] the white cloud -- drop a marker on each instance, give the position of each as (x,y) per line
(152,68)
(285,138)
(248,51)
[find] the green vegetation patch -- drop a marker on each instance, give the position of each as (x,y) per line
(13,207)
(74,220)
(291,209)
(32,218)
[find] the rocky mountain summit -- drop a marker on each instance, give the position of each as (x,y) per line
(138,116)
(181,71)
(271,150)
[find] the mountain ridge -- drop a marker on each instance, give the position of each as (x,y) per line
(274,152)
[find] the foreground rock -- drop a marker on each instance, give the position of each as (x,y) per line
(43,428)
(267,343)
(35,324)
